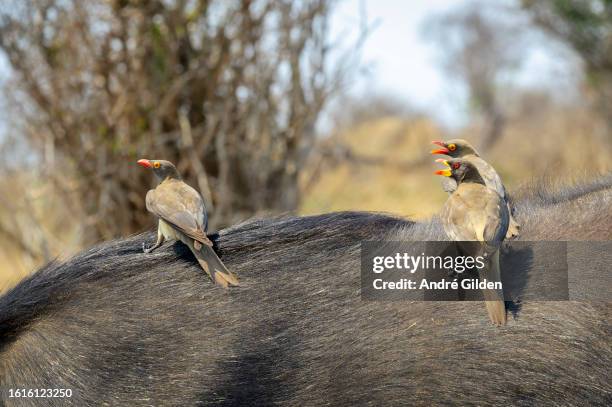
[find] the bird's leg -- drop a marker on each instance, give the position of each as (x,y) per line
(160,240)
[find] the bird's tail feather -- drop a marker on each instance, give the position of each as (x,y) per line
(214,267)
(494,299)
(211,263)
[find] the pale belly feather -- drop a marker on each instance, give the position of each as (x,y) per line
(168,231)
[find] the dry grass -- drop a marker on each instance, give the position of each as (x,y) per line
(409,190)
(36,226)
(558,143)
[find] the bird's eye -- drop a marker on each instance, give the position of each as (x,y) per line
(156,165)
(452,147)
(456,166)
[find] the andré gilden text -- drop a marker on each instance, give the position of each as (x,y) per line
(424,284)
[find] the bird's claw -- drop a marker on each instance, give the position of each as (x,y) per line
(146,249)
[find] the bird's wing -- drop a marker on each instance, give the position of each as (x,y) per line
(475,212)
(490,176)
(488,213)
(498,219)
(181,206)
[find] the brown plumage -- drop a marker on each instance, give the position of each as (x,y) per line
(474,212)
(182,216)
(459,148)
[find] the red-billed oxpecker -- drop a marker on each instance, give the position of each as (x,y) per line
(474,212)
(182,216)
(458,148)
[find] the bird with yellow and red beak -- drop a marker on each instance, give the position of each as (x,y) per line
(459,148)
(182,216)
(474,212)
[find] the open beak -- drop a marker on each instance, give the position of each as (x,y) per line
(442,150)
(446,173)
(443,161)
(144,163)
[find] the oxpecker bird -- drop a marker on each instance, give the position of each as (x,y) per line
(474,212)
(459,148)
(182,216)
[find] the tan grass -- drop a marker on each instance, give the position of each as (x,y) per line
(562,144)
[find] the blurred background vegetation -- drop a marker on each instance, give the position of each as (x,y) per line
(255,102)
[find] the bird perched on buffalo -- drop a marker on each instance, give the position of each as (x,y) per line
(459,148)
(182,216)
(474,212)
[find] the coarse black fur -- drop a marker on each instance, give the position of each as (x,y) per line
(546,192)
(120,327)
